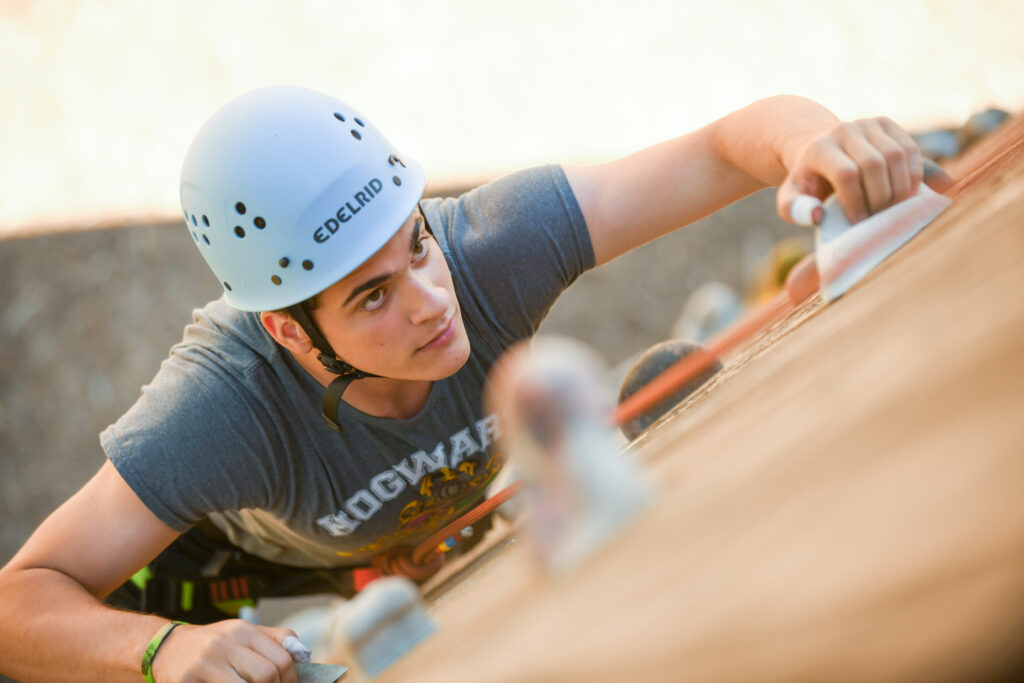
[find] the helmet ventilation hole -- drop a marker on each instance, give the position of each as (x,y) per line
(307,264)
(275,279)
(240,208)
(240,231)
(283,262)
(396,180)
(195,236)
(207,240)
(259,222)
(355,134)
(206,221)
(361,124)
(339,116)
(227,286)
(194,220)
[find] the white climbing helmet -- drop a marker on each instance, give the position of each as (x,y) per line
(286,191)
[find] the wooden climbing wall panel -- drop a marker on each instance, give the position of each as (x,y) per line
(846,505)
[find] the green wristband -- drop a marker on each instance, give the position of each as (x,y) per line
(154,646)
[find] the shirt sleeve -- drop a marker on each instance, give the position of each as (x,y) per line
(514,244)
(193,442)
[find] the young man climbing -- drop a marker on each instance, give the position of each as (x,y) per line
(327,409)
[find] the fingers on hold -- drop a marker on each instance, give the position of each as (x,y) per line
(844,174)
(279,659)
(895,158)
(874,172)
(915,160)
(271,649)
(263,671)
(916,164)
(252,665)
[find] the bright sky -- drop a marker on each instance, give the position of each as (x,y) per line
(101,98)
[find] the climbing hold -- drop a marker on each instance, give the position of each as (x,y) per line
(649,365)
(378,626)
(803,280)
(312,672)
(711,308)
(846,253)
(579,490)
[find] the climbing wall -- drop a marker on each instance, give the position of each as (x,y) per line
(844,502)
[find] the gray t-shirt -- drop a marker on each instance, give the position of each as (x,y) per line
(230,427)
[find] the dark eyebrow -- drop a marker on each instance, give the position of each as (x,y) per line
(374,283)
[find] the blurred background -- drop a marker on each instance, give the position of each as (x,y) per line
(102,98)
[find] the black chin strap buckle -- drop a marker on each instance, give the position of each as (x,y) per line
(338,366)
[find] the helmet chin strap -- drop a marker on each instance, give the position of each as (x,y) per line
(346,373)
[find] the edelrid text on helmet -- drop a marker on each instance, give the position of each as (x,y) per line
(345,213)
(286,191)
